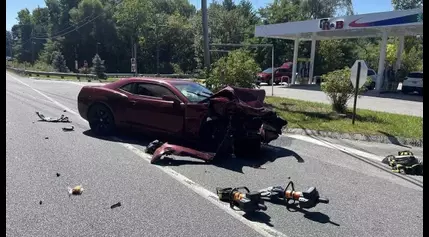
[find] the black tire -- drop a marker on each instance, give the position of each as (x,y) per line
(247,148)
(101,120)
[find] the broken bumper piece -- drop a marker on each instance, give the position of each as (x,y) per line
(169,149)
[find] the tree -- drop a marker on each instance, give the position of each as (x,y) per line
(407,4)
(58,62)
(237,69)
(98,67)
(8,43)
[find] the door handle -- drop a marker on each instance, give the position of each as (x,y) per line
(133,102)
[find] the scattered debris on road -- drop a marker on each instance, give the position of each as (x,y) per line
(68,129)
(76,190)
(405,163)
(61,119)
(116,205)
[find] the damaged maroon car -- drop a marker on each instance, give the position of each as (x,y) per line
(233,120)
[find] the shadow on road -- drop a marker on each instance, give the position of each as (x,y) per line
(313,216)
(395,95)
(268,153)
(260,217)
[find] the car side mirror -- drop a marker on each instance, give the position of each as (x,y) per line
(171,98)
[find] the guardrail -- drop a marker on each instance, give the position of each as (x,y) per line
(48,74)
(92,76)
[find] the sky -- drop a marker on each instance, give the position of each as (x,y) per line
(360,7)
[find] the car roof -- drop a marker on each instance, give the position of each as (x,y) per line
(158,80)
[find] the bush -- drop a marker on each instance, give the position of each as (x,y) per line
(98,67)
(42,66)
(58,62)
(338,87)
(237,69)
(84,70)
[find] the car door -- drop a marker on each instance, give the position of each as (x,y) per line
(148,111)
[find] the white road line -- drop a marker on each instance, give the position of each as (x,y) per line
(336,146)
(262,229)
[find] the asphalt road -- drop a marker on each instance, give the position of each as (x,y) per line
(365,197)
(391,103)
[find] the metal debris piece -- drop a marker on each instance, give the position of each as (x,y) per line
(40,202)
(61,119)
(76,190)
(46,137)
(58,174)
(115,205)
(64,111)
(68,129)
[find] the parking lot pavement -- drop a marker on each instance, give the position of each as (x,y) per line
(365,196)
(396,103)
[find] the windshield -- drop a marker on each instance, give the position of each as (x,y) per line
(194,92)
(268,70)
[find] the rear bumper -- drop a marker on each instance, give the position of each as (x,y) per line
(412,88)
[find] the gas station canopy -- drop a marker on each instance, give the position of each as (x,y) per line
(395,23)
(381,24)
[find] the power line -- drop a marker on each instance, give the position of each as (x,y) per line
(68,32)
(76,28)
(69,27)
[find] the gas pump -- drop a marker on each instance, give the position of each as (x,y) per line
(303,69)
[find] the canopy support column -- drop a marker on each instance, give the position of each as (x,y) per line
(312,56)
(399,51)
(381,62)
(295,59)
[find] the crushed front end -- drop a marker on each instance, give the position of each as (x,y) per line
(237,122)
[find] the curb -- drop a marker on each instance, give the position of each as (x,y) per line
(357,137)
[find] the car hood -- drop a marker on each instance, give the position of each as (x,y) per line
(234,99)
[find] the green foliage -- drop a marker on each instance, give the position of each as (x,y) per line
(175,28)
(237,69)
(338,87)
(98,67)
(58,62)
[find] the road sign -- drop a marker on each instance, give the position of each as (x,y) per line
(133,65)
(363,75)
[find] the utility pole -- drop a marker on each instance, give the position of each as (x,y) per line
(157,44)
(98,43)
(135,57)
(32,46)
(205,34)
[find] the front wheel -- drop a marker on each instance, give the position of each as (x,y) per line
(101,120)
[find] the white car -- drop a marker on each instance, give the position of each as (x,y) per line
(413,83)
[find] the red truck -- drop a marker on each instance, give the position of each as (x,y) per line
(283,71)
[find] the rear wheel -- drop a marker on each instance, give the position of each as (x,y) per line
(101,120)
